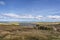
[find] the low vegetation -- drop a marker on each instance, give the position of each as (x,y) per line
(36,32)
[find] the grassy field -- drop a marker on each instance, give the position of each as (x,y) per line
(42,31)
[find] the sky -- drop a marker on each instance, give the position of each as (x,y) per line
(30,10)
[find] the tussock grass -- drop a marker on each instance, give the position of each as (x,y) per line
(15,32)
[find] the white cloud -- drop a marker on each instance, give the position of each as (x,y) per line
(54,17)
(17,16)
(39,17)
(11,15)
(22,16)
(26,16)
(2,3)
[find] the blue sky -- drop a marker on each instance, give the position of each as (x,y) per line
(30,10)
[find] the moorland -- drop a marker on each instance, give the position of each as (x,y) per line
(30,31)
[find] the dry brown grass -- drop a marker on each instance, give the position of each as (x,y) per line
(15,32)
(27,35)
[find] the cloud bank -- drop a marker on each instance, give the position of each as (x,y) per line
(22,16)
(14,16)
(54,17)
